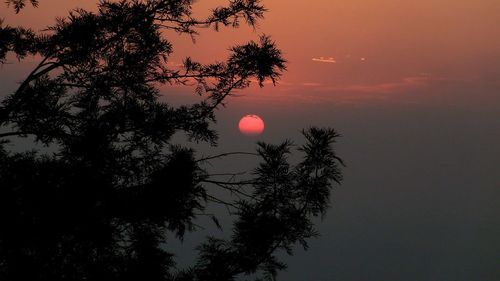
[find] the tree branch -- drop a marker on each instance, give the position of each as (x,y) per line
(226,154)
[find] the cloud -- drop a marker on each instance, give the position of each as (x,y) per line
(311,84)
(422,89)
(403,84)
(347,58)
(324,59)
(389,87)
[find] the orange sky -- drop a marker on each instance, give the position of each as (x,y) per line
(418,116)
(383,50)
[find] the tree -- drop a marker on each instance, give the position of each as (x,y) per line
(99,207)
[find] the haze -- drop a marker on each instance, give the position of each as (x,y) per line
(413,87)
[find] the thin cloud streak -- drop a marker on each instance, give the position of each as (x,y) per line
(311,84)
(406,83)
(407,90)
(325,60)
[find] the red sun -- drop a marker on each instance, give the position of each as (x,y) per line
(251,125)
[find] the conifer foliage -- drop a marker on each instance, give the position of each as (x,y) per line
(101,206)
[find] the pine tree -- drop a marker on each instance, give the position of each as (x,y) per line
(100,207)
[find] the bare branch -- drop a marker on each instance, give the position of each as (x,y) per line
(226,154)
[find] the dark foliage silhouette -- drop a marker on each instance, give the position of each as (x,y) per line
(100,207)
(20,4)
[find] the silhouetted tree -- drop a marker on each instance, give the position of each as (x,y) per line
(99,208)
(20,4)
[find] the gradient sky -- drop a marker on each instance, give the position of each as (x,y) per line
(413,87)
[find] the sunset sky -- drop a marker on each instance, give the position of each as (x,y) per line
(414,89)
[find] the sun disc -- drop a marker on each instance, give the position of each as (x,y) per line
(251,125)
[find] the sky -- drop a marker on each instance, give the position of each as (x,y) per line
(414,89)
